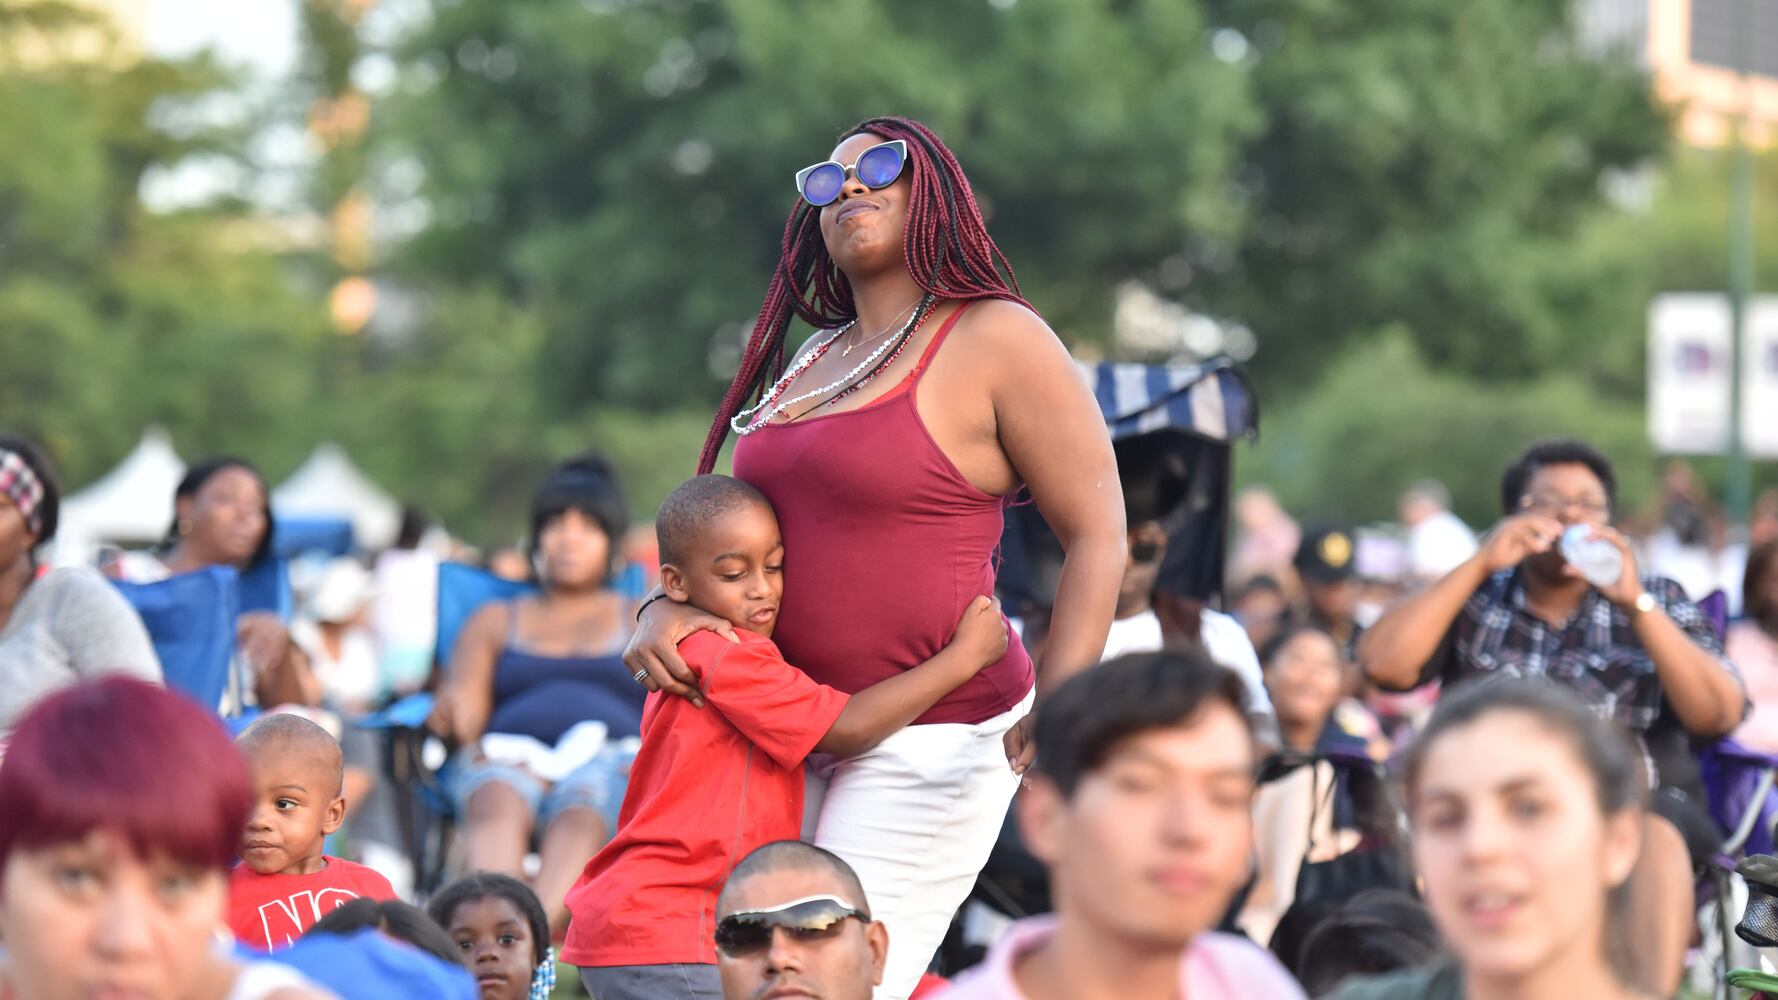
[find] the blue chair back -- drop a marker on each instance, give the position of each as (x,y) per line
(191,621)
(266,587)
(462,590)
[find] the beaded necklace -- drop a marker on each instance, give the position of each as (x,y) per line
(745,423)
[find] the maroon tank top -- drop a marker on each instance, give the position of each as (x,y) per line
(885,544)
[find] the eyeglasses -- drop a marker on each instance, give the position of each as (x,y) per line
(1546,503)
(876,167)
(813,918)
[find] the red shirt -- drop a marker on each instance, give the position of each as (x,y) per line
(708,786)
(895,540)
(272,911)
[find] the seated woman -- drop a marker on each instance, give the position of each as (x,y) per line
(222,516)
(1527,817)
(114,863)
(60,626)
(536,667)
(1304,813)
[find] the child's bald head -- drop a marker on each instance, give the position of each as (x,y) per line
(297,774)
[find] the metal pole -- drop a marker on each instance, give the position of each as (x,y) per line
(1738,481)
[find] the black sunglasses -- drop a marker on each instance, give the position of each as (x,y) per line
(876,167)
(812,919)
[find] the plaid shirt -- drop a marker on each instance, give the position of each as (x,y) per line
(1596,652)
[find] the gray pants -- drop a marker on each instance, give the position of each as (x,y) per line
(652,982)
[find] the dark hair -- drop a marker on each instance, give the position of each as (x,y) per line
(193,483)
(1762,571)
(1376,931)
(1154,475)
(1603,749)
(588,484)
(795,855)
(412,530)
(488,885)
(1517,477)
(51,508)
(125,755)
(693,507)
(1096,709)
(946,248)
(1285,636)
(399,920)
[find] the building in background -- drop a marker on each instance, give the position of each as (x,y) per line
(1692,49)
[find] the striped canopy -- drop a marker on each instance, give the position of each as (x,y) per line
(1213,400)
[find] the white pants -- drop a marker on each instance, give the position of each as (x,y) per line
(916,818)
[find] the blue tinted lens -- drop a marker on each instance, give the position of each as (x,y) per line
(879,166)
(822,185)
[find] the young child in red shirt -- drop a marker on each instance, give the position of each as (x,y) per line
(711,784)
(284,883)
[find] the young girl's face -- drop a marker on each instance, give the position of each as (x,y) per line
(496,942)
(1518,860)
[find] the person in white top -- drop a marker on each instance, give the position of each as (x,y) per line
(1147,620)
(1438,540)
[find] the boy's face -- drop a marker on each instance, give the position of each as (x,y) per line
(297,804)
(1155,841)
(734,569)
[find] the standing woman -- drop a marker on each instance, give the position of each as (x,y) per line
(62,626)
(222,516)
(1526,814)
(932,393)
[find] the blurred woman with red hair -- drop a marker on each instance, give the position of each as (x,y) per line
(121,808)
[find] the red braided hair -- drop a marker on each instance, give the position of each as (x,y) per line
(946,246)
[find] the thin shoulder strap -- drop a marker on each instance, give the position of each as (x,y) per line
(939,338)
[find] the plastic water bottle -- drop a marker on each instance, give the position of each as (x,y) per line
(1598,561)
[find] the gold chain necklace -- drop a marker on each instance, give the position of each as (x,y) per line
(850,347)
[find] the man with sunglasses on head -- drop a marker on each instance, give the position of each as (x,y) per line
(1634,647)
(793,917)
(1140,806)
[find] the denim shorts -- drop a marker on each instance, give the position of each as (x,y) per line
(597,785)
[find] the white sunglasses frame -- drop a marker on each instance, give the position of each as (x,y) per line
(851,171)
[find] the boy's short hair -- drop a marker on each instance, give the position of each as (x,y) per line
(693,506)
(1101,706)
(401,921)
(295,734)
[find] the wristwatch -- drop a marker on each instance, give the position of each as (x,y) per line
(1643,604)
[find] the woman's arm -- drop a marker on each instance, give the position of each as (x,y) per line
(1055,437)
(466,695)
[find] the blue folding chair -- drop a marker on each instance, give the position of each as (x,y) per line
(266,587)
(462,591)
(191,622)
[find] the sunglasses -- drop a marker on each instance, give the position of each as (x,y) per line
(876,167)
(812,919)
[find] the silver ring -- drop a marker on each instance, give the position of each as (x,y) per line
(639,675)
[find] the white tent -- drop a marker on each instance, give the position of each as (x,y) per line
(131,505)
(328,484)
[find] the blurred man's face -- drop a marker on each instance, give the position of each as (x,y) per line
(1154,842)
(844,962)
(1333,602)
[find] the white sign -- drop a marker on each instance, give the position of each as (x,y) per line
(1688,374)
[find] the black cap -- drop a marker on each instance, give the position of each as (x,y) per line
(1325,555)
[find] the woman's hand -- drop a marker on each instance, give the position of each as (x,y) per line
(653,652)
(262,639)
(1021,743)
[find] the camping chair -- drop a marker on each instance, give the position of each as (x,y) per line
(190,619)
(266,587)
(425,819)
(1740,797)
